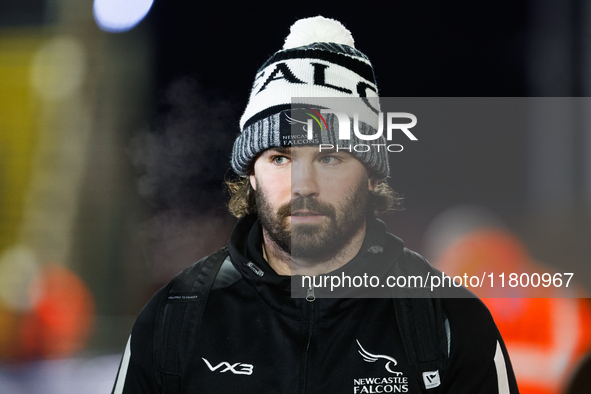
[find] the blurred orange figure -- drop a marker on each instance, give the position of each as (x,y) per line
(62,319)
(545,337)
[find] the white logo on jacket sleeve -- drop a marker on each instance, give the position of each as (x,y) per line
(431,379)
(371,358)
(237,368)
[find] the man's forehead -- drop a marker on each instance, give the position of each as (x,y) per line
(301,150)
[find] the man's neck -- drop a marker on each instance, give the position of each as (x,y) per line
(284,264)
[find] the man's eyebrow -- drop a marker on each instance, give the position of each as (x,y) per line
(285,151)
(334,151)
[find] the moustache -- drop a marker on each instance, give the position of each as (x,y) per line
(306,203)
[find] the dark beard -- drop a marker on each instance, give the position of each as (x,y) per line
(314,242)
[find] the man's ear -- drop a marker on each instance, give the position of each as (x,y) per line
(372,183)
(253,181)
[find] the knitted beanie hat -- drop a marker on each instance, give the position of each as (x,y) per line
(318,62)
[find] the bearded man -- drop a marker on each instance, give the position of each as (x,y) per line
(229,323)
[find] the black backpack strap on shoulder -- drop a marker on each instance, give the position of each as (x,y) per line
(421,323)
(179,316)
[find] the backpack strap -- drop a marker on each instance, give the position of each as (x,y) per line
(179,316)
(422,323)
(422,326)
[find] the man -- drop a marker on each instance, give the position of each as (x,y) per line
(229,323)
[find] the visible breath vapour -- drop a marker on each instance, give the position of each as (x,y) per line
(183,161)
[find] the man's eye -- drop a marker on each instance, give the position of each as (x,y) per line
(328,159)
(280,160)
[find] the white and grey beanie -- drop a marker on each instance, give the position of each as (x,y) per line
(318,62)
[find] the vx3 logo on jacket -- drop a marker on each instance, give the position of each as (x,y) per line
(236,368)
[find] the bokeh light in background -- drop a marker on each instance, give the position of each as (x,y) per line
(62,317)
(46,311)
(18,295)
(18,268)
(117,16)
(58,68)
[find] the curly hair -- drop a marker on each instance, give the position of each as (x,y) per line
(383,199)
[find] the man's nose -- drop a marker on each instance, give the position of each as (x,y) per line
(304,182)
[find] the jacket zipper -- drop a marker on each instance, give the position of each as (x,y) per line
(310,297)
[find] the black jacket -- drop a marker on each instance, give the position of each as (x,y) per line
(255,338)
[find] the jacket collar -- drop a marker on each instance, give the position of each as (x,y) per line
(377,254)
